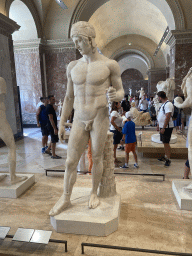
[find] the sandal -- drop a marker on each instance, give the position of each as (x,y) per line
(56,157)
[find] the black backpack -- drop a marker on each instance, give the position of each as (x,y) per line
(175,112)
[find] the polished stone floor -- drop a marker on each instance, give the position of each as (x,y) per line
(149,218)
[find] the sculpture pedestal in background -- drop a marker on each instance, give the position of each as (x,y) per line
(183,196)
(156,138)
(13,191)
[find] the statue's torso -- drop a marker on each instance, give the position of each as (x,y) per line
(90,82)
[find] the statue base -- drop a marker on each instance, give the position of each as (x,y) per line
(184,199)
(79,219)
(156,138)
(8,190)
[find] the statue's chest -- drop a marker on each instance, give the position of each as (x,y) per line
(94,73)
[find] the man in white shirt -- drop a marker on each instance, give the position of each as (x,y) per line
(165,125)
(42,101)
(143,104)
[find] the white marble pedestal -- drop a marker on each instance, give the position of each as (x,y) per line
(79,219)
(15,190)
(184,199)
(156,138)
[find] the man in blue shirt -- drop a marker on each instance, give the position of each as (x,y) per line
(129,138)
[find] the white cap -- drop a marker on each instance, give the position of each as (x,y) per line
(128,114)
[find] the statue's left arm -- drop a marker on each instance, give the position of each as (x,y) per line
(116,93)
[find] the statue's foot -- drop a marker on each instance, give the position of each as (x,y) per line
(59,207)
(17,179)
(2,177)
(93,201)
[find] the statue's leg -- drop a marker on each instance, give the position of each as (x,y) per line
(98,138)
(78,141)
(190,143)
(6,135)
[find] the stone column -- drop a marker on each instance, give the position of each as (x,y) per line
(107,186)
(180,42)
(154,76)
(7,71)
(58,54)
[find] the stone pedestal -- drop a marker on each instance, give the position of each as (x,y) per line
(15,190)
(79,219)
(184,199)
(101,221)
(156,138)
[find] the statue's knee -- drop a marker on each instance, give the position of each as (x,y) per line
(97,159)
(70,165)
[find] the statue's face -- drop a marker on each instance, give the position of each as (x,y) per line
(82,44)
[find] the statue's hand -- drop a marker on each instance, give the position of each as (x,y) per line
(112,94)
(178,101)
(61,133)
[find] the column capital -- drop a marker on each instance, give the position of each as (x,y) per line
(59,45)
(156,70)
(45,45)
(23,45)
(179,37)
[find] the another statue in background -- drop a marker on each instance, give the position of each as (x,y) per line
(130,92)
(59,107)
(139,118)
(179,103)
(168,87)
(88,80)
(6,134)
(141,93)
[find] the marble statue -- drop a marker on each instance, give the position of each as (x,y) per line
(130,92)
(139,118)
(88,79)
(168,87)
(157,104)
(186,87)
(6,135)
(141,93)
(60,107)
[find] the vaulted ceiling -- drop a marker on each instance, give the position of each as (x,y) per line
(141,22)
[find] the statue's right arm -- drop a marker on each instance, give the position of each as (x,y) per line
(68,102)
(187,103)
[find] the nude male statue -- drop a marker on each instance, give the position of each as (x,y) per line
(6,135)
(88,80)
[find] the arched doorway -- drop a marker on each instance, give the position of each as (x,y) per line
(27,61)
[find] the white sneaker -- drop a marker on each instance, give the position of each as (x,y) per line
(136,165)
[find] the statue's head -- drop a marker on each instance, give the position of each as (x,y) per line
(83,35)
(133,104)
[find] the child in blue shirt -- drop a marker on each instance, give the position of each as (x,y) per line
(129,138)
